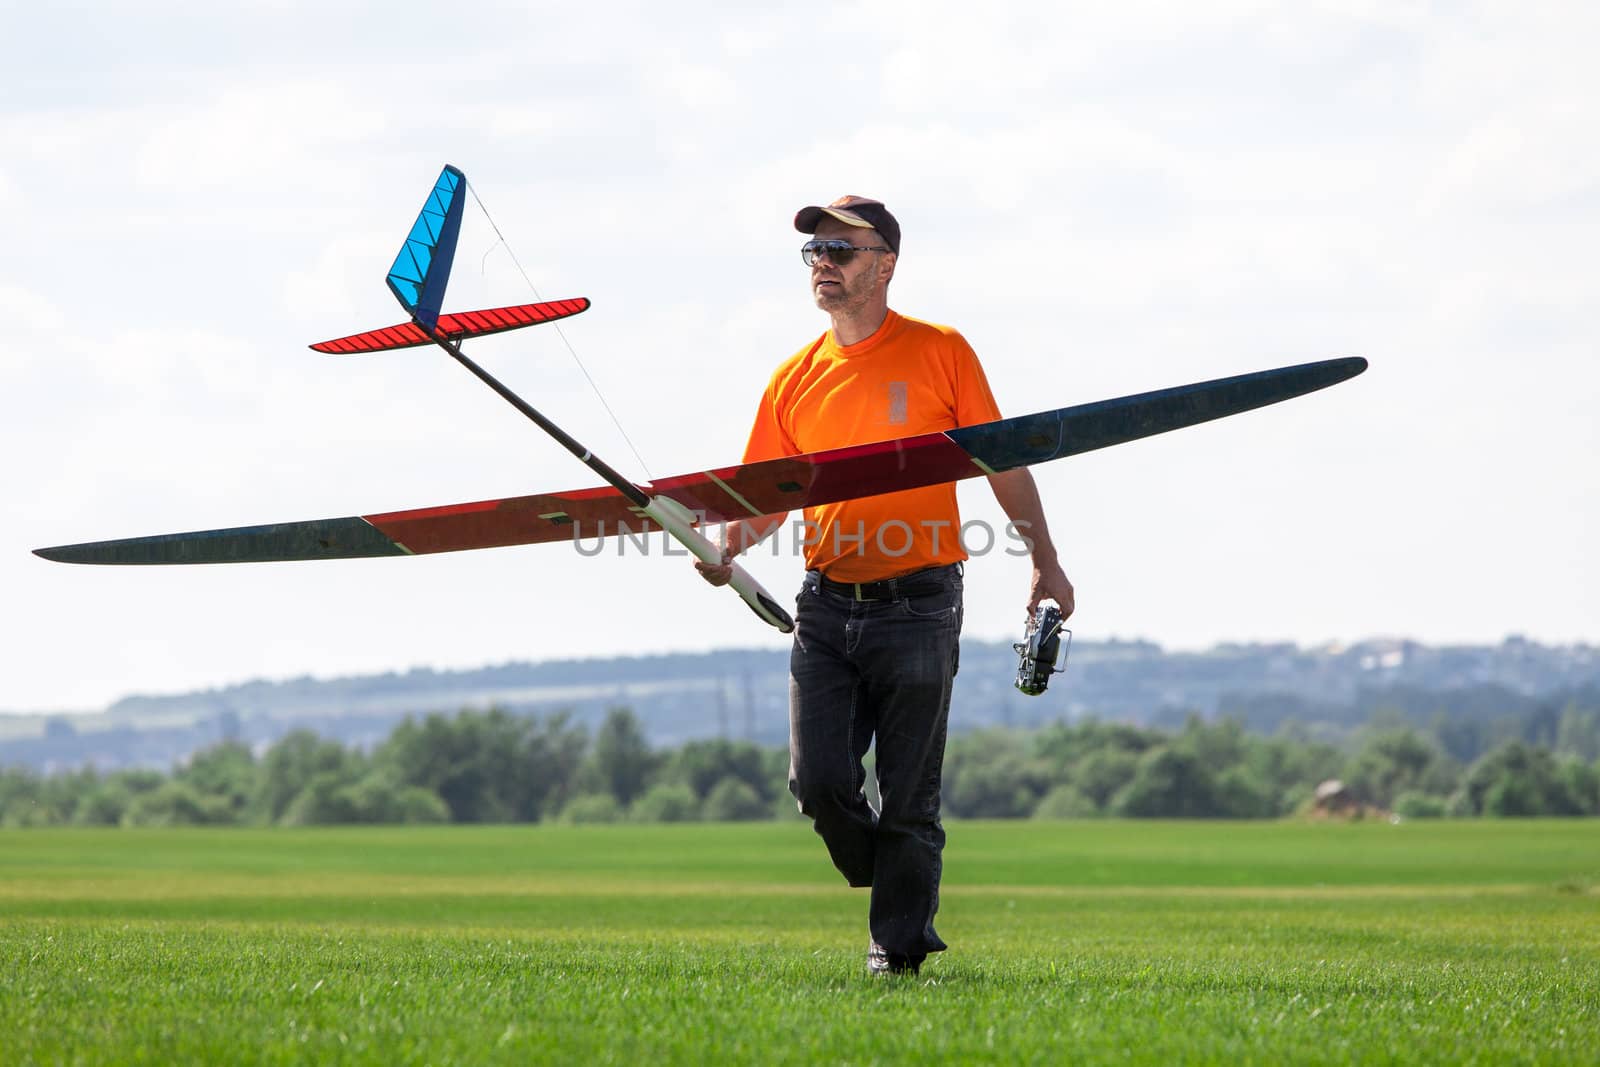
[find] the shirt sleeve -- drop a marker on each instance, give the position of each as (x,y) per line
(768,439)
(974,400)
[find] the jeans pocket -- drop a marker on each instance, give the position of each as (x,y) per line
(941,605)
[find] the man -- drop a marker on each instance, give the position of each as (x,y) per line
(878,620)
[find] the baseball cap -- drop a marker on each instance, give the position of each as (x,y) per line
(853,211)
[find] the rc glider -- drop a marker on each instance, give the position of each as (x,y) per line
(680,505)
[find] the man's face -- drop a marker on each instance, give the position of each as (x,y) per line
(851,287)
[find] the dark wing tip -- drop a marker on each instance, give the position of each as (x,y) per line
(1333,371)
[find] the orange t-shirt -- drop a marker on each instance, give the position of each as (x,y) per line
(908,378)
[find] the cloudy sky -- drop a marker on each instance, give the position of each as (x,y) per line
(1103,198)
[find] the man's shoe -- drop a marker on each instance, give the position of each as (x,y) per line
(881,961)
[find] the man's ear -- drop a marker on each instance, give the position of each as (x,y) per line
(886,264)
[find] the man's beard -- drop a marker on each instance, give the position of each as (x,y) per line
(843,297)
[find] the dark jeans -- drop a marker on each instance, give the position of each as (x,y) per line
(877,668)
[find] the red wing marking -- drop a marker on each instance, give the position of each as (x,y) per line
(778,485)
(765,488)
(521,520)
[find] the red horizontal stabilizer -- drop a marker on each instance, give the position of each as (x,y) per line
(456,327)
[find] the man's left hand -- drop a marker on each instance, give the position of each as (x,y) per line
(1050,583)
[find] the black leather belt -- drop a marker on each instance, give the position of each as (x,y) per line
(927,582)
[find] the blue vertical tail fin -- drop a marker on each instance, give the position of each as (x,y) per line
(422,269)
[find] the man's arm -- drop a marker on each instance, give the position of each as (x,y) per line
(1019,498)
(737,536)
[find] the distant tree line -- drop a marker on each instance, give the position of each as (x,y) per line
(496,767)
(471,767)
(1217,769)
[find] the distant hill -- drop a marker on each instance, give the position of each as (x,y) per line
(743,693)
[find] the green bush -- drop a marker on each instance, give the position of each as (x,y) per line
(592,808)
(103,807)
(1066,802)
(331,800)
(1417,805)
(1390,763)
(1101,773)
(1583,784)
(1170,783)
(1515,780)
(413,804)
(732,800)
(666,803)
(701,765)
(992,774)
(1241,795)
(327,800)
(179,804)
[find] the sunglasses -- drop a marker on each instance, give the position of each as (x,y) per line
(841,252)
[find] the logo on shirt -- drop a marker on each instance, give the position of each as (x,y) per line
(897,402)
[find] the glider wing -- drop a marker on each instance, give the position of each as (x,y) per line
(764,488)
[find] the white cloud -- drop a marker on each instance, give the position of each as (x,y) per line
(269,133)
(33,320)
(11,199)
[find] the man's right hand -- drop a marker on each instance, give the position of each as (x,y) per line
(717,573)
(737,536)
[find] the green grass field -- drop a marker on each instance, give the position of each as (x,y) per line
(1457,942)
